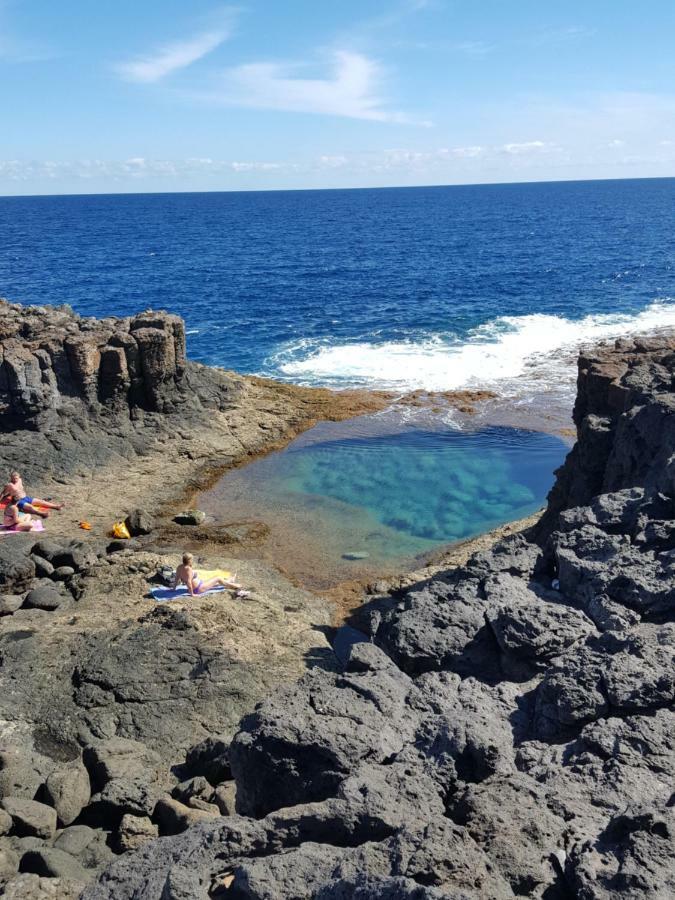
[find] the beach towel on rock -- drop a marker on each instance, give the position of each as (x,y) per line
(162,594)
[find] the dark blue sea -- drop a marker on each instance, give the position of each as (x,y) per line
(436,288)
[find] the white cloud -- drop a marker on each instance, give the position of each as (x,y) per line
(527,147)
(467,152)
(350,89)
(172,57)
(134,168)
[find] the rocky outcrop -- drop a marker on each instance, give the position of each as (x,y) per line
(504,730)
(74,391)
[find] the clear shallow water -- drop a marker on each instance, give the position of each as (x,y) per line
(347,489)
(437,288)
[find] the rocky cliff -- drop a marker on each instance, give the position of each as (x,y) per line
(503,730)
(85,389)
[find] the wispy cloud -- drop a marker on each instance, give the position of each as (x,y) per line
(473,48)
(177,55)
(134,168)
(525,147)
(351,88)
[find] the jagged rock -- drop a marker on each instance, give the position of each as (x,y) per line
(269,756)
(134,831)
(633,857)
(608,675)
(210,758)
(531,623)
(509,819)
(30,818)
(68,791)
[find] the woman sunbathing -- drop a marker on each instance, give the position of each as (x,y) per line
(14,519)
(185,574)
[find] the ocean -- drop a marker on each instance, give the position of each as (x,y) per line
(432,288)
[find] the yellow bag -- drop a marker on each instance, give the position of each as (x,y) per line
(120,530)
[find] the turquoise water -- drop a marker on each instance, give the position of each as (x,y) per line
(438,487)
(343,490)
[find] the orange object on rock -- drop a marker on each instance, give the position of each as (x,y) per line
(86,526)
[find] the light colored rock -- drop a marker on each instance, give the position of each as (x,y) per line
(31,818)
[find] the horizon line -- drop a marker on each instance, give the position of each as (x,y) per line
(390,187)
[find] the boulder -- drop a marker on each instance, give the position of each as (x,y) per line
(225,798)
(43,568)
(68,791)
(52,863)
(9,865)
(190,517)
(173,817)
(193,787)
(30,818)
(47,598)
(17,569)
(134,832)
(9,603)
(139,522)
(5,822)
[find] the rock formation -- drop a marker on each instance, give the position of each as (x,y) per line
(503,729)
(86,388)
(507,729)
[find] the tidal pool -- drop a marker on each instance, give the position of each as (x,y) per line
(345,501)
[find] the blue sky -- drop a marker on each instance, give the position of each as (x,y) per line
(156,96)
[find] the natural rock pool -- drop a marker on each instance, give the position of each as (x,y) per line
(343,500)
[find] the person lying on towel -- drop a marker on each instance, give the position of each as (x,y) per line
(15,492)
(15,519)
(186,574)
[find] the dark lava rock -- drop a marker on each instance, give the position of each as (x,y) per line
(17,569)
(190,517)
(139,522)
(497,739)
(48,598)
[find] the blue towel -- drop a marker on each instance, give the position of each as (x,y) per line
(165,593)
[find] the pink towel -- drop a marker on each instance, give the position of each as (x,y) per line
(37,526)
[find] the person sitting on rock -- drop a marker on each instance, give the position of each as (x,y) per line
(15,492)
(186,574)
(15,519)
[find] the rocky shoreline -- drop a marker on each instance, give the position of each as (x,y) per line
(498,729)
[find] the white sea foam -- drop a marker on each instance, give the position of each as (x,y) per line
(511,348)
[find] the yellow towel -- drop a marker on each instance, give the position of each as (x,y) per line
(207,574)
